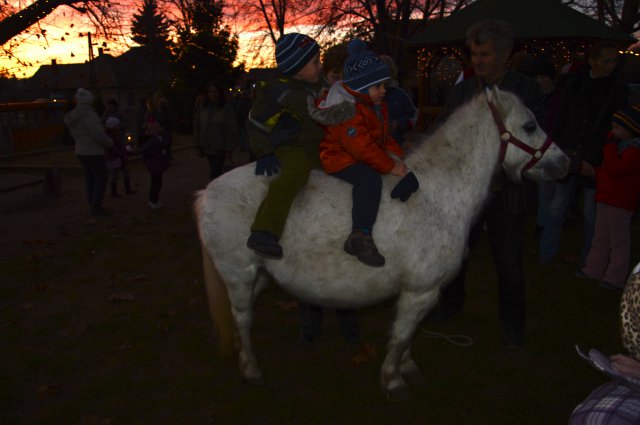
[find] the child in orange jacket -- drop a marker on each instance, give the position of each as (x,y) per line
(358,147)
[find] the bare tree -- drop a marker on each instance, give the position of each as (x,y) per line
(104,15)
(621,14)
(387,23)
(269,20)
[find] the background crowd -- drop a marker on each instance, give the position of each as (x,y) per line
(584,108)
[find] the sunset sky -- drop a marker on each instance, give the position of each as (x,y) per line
(66,42)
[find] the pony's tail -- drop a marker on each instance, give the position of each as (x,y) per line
(219,305)
(218,297)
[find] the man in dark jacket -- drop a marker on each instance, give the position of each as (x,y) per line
(589,99)
(490,43)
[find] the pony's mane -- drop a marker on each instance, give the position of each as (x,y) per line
(439,141)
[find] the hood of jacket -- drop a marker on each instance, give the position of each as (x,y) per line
(335,107)
(77,114)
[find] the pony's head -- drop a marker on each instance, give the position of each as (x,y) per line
(525,149)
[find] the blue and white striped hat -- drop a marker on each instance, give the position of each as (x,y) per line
(362,68)
(294,51)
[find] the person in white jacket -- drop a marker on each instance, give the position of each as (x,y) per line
(91,144)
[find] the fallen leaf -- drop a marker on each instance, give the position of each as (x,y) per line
(39,254)
(39,243)
(94,420)
(122,296)
(76,328)
(365,354)
(287,305)
(47,390)
(359,359)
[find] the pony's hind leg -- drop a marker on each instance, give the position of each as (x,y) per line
(242,300)
(231,302)
(411,308)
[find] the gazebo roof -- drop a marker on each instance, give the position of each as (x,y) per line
(539,19)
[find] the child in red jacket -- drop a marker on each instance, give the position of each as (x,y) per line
(617,196)
(358,147)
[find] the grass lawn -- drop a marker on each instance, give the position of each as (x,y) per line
(107,323)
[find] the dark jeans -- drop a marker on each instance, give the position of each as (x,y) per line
(506,236)
(96,175)
(154,189)
(311,322)
(367,189)
(216,162)
(124,169)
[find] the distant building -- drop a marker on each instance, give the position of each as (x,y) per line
(127,78)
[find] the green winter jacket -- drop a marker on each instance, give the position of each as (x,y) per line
(280,116)
(215,129)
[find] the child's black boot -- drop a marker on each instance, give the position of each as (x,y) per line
(265,244)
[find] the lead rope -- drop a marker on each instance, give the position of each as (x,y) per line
(457,340)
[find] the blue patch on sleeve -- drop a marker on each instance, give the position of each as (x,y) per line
(351,132)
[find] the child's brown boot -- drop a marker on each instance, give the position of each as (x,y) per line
(360,244)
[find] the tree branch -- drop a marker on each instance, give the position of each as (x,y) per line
(23,19)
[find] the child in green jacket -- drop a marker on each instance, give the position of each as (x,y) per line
(284,138)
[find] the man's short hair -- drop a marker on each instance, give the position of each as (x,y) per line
(596,50)
(500,32)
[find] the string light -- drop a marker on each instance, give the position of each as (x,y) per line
(561,52)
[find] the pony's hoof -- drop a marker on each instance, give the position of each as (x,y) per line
(414,377)
(399,393)
(256,381)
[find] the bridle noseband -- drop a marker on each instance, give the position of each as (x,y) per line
(506,137)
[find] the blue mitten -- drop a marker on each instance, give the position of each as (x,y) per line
(405,187)
(267,165)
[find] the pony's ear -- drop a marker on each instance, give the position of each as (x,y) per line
(502,102)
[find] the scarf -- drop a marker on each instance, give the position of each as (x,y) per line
(628,143)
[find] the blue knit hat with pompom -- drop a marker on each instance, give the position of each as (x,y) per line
(363,68)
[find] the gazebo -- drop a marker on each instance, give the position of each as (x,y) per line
(540,26)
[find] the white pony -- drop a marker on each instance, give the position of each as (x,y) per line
(423,240)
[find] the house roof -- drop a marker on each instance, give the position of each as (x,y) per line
(262,74)
(133,68)
(531,19)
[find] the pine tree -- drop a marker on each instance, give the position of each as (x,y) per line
(150,28)
(206,48)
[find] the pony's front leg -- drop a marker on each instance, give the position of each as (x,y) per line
(409,369)
(411,308)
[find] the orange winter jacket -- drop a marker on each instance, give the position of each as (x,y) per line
(363,136)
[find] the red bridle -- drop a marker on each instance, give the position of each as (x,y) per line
(506,137)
